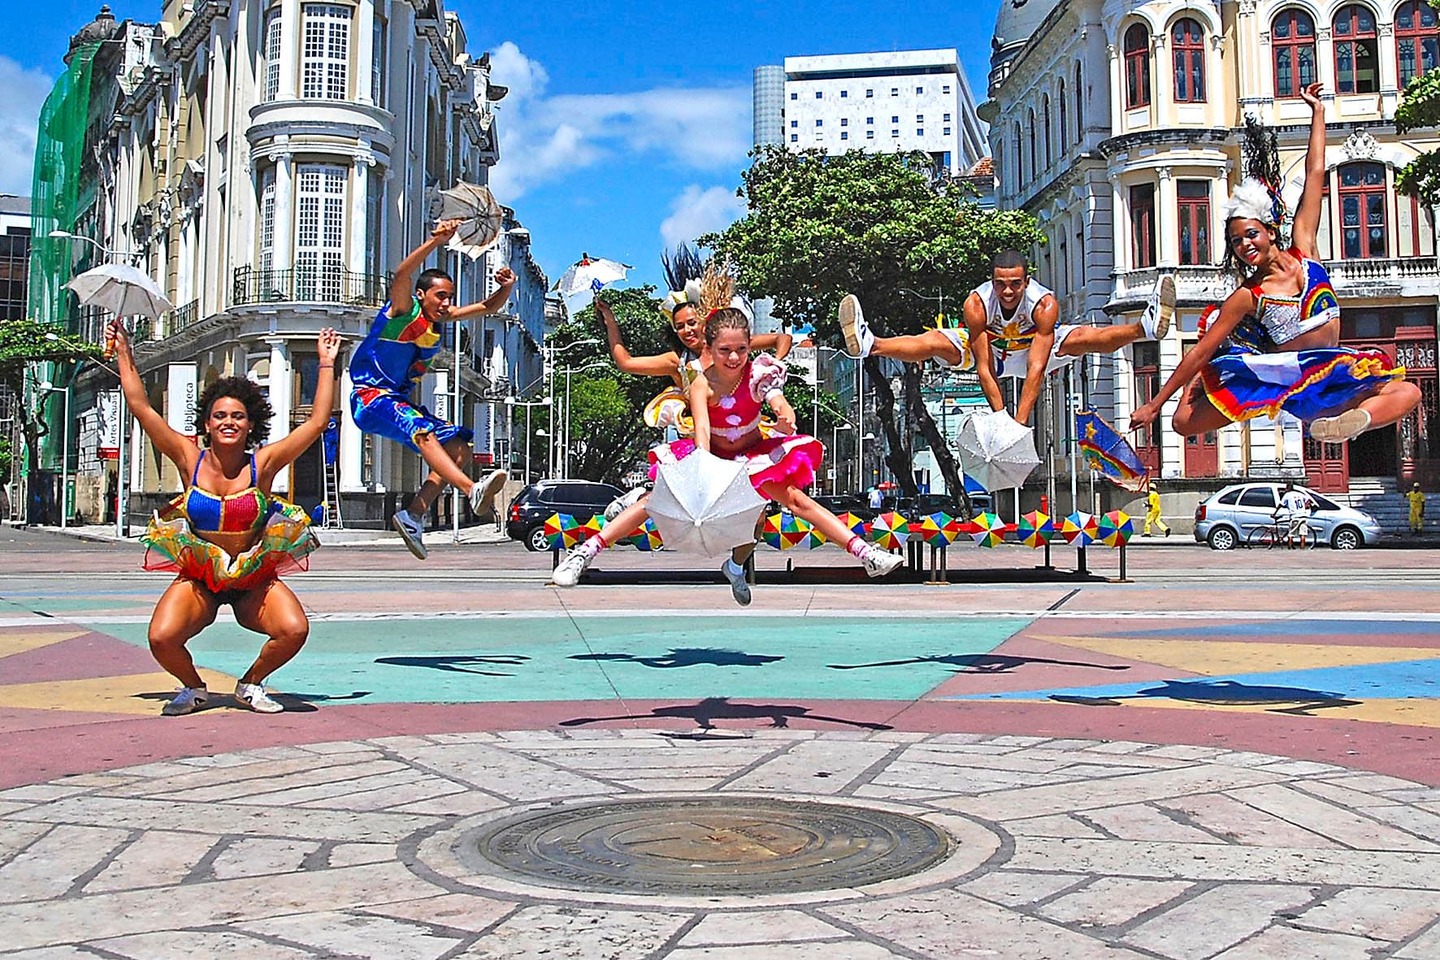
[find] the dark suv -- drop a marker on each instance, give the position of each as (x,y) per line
(532,506)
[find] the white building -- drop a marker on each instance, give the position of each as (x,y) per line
(268,164)
(886,102)
(1116,124)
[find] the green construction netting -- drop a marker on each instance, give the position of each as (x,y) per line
(59,144)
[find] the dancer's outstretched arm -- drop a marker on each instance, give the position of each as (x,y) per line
(274,457)
(1307,213)
(1236,308)
(776,343)
(402,285)
(699,396)
(974,313)
(1047,312)
(175,446)
(505,277)
(659,365)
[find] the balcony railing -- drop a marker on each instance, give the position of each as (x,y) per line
(1395,269)
(308,285)
(180,318)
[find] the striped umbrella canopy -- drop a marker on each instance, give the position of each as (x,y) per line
(562,531)
(1079,529)
(784,530)
(1115,528)
(646,539)
(813,538)
(858,525)
(938,528)
(988,529)
(890,530)
(1035,529)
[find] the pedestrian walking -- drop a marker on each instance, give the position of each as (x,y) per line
(1416,496)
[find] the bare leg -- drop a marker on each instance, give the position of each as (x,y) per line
(930,345)
(804,507)
(184,609)
(1084,339)
(445,465)
(1196,414)
(624,523)
(276,612)
(1394,401)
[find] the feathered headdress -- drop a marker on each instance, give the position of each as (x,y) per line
(1257,196)
(717,291)
(683,271)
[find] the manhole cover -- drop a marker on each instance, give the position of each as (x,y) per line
(709,846)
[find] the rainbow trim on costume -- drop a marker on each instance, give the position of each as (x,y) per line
(790,460)
(1324,382)
(283,546)
(1108,453)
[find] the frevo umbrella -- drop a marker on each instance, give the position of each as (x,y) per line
(939,528)
(1035,529)
(588,276)
(784,531)
(1079,529)
(562,531)
(890,530)
(1115,528)
(122,289)
(996,450)
(480,214)
(988,530)
(703,504)
(646,539)
(858,525)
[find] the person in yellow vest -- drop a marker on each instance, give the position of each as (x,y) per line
(1417,509)
(1152,513)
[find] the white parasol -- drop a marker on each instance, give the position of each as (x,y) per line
(122,289)
(703,504)
(587,277)
(996,450)
(482,218)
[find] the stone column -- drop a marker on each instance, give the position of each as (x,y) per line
(290,46)
(351,441)
(281,380)
(282,255)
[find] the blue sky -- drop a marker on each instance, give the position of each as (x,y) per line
(627,125)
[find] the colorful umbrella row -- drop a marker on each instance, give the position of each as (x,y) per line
(785,531)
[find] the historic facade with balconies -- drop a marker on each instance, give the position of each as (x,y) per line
(268,163)
(1117,125)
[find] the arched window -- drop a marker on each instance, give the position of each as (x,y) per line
(1045,108)
(1019,160)
(1357,51)
(1417,45)
(1034,157)
(1137,67)
(1188,42)
(1292,38)
(1079,106)
(1064,121)
(1363,231)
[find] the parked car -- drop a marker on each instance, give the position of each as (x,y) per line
(1232,516)
(846,503)
(928,503)
(533,505)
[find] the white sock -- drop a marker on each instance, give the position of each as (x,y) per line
(732,568)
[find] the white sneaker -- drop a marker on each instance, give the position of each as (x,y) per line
(739,586)
(188,700)
(412,531)
(879,562)
(859,341)
(253,695)
(568,573)
(624,502)
(1340,428)
(482,494)
(1161,309)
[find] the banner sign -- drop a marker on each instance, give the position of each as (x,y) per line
(183,393)
(107,414)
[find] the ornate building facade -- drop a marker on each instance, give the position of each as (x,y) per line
(268,163)
(1117,125)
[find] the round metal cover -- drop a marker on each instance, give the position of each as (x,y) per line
(709,846)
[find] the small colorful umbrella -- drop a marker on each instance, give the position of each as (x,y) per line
(890,530)
(561,532)
(590,527)
(813,538)
(784,530)
(988,529)
(1079,529)
(646,539)
(858,525)
(1115,528)
(938,528)
(1035,530)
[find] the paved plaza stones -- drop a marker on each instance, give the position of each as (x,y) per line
(1060,849)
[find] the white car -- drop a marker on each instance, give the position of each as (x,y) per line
(1244,513)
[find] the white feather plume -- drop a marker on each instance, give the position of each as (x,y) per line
(1251,200)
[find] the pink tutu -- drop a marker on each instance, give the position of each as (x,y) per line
(789,460)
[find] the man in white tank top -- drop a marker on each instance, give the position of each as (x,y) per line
(1011,330)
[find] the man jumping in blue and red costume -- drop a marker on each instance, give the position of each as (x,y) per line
(384,369)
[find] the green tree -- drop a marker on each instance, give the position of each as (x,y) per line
(820,226)
(26,342)
(1419,108)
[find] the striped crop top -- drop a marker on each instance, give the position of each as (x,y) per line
(243,512)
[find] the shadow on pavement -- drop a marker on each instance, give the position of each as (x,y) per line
(705,712)
(687,657)
(980,663)
(1220,693)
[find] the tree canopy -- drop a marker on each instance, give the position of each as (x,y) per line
(876,225)
(1420,107)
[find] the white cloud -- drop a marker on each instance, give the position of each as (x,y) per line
(547,138)
(698,211)
(25,93)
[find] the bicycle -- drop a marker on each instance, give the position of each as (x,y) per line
(1276,533)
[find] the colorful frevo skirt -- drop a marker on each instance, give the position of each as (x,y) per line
(1307,384)
(791,460)
(284,546)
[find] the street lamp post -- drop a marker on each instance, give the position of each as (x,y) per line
(835,454)
(527,404)
(552,352)
(565,420)
(861,475)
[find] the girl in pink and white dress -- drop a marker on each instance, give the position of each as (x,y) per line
(726,403)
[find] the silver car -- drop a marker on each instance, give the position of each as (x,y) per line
(1245,514)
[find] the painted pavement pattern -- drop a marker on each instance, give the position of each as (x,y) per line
(1126,774)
